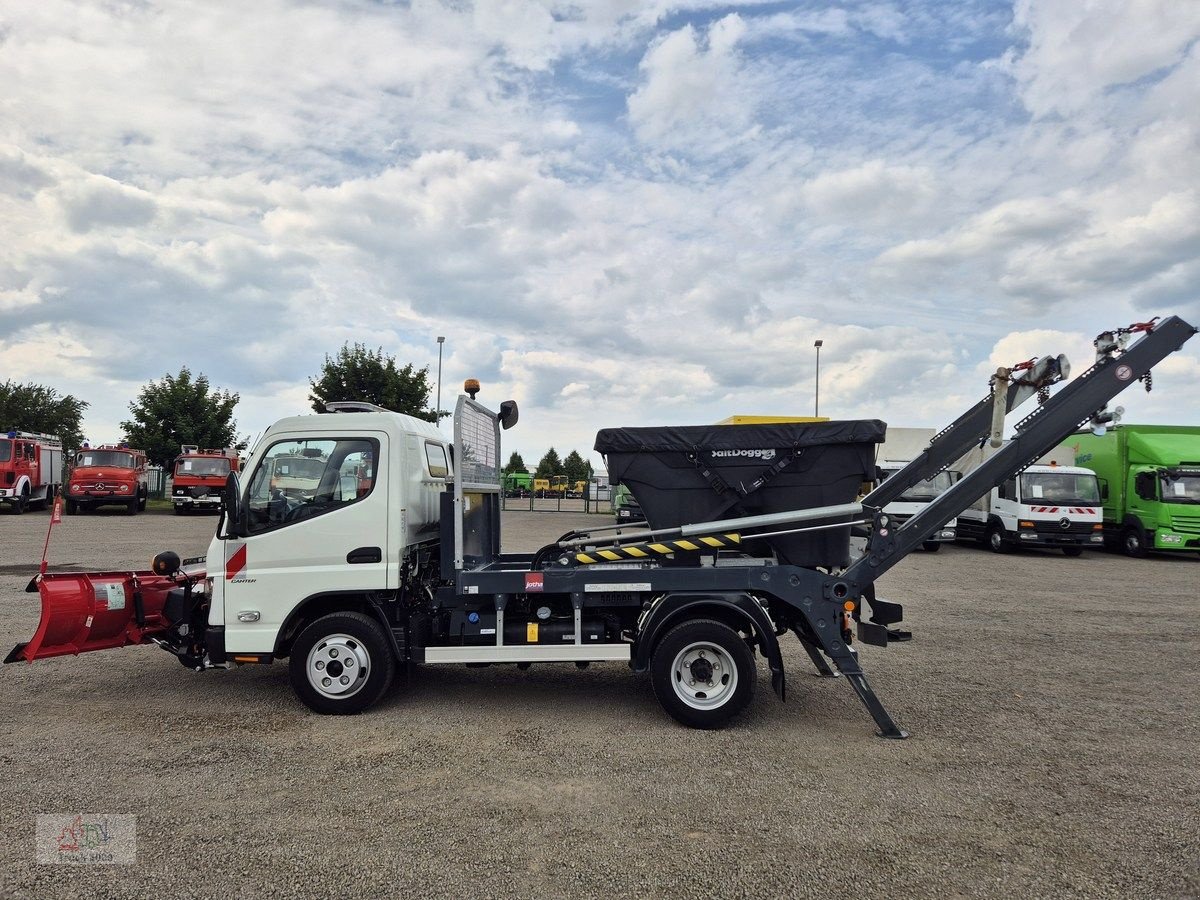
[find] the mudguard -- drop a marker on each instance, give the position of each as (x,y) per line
(82,612)
(677,607)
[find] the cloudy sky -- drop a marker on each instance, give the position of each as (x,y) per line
(619,212)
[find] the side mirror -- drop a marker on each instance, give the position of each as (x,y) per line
(231,510)
(508,414)
(1103,488)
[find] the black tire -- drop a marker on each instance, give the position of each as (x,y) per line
(1133,542)
(142,498)
(22,503)
(1072,551)
(131,506)
(724,646)
(70,507)
(355,634)
(932,546)
(995,539)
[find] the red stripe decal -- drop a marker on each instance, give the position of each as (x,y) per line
(236,564)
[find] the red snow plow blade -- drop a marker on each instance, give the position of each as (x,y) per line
(94,611)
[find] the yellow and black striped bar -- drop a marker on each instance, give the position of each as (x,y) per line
(658,548)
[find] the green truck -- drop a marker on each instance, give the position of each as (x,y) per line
(517,484)
(1149,484)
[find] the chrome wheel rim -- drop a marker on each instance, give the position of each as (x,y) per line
(338,666)
(704,675)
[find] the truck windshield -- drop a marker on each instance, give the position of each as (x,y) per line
(5,449)
(202,466)
(304,468)
(923,491)
(1060,487)
(114,458)
(1180,489)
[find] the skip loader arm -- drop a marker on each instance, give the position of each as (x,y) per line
(1079,401)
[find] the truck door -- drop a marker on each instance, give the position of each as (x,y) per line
(325,531)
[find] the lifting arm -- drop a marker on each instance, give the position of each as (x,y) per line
(1078,402)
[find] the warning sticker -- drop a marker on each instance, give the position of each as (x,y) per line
(112,594)
(534,581)
(116,596)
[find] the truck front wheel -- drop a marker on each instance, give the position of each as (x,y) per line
(703,673)
(1133,542)
(995,539)
(341,664)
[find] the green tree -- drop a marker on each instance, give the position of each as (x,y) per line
(40,409)
(515,464)
(357,373)
(181,409)
(575,468)
(550,465)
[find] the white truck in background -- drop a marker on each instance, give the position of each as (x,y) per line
(1047,505)
(900,447)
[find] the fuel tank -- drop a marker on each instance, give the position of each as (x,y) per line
(82,612)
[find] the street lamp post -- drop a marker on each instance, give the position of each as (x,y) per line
(817,397)
(438,417)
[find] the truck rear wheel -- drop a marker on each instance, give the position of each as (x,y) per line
(703,673)
(341,664)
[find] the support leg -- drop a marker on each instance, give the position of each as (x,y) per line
(823,668)
(847,662)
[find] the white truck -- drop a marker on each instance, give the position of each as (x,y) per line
(394,560)
(1045,505)
(899,448)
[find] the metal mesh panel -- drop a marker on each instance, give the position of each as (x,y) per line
(476,446)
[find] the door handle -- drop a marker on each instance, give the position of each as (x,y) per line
(365,555)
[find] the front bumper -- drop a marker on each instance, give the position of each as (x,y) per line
(1173,540)
(211,501)
(1050,539)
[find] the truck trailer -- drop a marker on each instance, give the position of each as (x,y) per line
(351,587)
(1149,485)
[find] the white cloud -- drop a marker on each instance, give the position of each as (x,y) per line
(1079,50)
(696,96)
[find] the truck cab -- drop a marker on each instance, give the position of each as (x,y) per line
(108,475)
(917,497)
(199,478)
(1044,506)
(345,527)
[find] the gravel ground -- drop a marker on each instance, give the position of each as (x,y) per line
(1052,704)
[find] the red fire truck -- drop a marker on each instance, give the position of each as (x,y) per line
(200,477)
(108,475)
(31,468)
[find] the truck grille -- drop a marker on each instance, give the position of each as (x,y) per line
(1052,528)
(1186,524)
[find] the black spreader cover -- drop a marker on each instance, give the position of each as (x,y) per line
(688,474)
